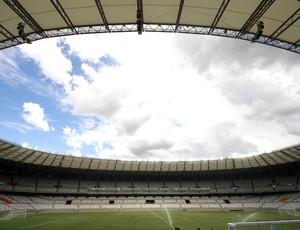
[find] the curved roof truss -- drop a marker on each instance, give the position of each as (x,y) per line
(18,154)
(227,18)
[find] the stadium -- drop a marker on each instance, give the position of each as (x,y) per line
(42,190)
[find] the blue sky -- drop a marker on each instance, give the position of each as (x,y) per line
(150,97)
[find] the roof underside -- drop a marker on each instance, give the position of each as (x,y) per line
(227,18)
(15,154)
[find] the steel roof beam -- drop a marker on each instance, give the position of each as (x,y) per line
(295,45)
(6,151)
(219,15)
(257,13)
(186,29)
(8,43)
(29,156)
(290,155)
(102,14)
(281,158)
(22,153)
(179,15)
(8,34)
(43,161)
(24,15)
(140,16)
(290,21)
(63,14)
(295,154)
(90,163)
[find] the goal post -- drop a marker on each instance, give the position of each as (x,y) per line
(20,214)
(270,224)
(290,211)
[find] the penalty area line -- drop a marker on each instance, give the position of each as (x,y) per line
(163,219)
(50,222)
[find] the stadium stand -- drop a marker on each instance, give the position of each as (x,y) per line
(59,183)
(36,184)
(74,203)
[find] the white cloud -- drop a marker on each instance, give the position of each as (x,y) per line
(10,71)
(13,75)
(50,59)
(151,112)
(173,97)
(23,128)
(34,115)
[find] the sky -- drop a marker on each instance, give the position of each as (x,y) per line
(153,97)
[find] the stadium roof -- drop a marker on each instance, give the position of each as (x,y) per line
(227,18)
(18,155)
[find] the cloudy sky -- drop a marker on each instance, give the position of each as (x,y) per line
(152,97)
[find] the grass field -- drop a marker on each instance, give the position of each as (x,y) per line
(143,220)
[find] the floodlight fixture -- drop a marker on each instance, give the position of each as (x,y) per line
(21,32)
(260,30)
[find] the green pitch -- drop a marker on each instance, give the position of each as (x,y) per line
(142,220)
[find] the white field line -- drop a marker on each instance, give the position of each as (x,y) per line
(51,222)
(163,219)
